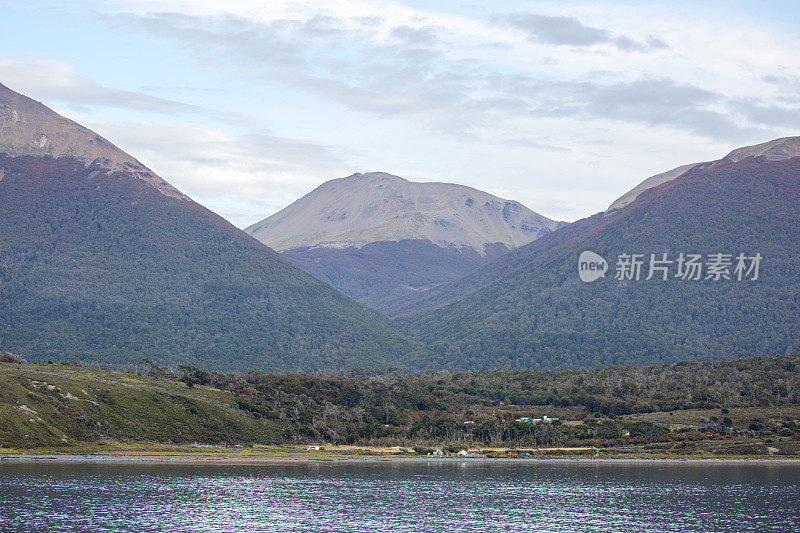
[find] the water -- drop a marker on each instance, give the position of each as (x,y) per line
(449,496)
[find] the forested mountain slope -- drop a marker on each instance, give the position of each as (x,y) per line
(541,315)
(103,261)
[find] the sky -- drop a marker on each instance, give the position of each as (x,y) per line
(562,106)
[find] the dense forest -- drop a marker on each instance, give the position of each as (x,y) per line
(530,310)
(102,266)
(379,273)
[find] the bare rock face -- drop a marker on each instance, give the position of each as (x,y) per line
(775,150)
(378,207)
(29,128)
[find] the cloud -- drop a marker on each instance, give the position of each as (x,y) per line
(663,102)
(414,36)
(391,76)
(650,101)
(788,89)
(59,81)
(528,143)
(627,44)
(569,31)
(444,93)
(555,30)
(769,114)
(244,176)
(410,71)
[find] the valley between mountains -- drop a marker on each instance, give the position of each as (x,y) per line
(106,263)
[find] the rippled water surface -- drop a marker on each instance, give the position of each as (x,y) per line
(396,496)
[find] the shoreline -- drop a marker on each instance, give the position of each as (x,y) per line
(21,458)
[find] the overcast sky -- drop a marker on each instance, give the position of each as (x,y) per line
(563,106)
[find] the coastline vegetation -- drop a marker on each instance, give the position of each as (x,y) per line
(739,408)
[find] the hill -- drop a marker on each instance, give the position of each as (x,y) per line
(104,260)
(529,309)
(61,405)
(377,237)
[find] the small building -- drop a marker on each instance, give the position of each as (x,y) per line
(529,420)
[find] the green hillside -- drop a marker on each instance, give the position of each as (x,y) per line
(102,266)
(532,310)
(58,405)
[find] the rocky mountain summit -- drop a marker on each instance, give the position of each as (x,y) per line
(29,128)
(775,150)
(377,237)
(376,206)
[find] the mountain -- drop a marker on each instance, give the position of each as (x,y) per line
(28,128)
(492,271)
(103,261)
(377,237)
(529,309)
(776,150)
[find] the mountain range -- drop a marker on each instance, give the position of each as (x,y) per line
(103,261)
(530,309)
(378,237)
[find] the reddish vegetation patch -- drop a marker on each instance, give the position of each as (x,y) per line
(8,357)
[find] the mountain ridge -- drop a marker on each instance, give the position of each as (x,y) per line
(28,127)
(538,314)
(774,150)
(103,263)
(373,207)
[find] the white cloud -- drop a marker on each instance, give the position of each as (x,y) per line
(59,81)
(562,108)
(240,176)
(439,70)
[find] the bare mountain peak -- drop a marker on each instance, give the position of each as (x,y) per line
(377,206)
(375,176)
(775,150)
(29,128)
